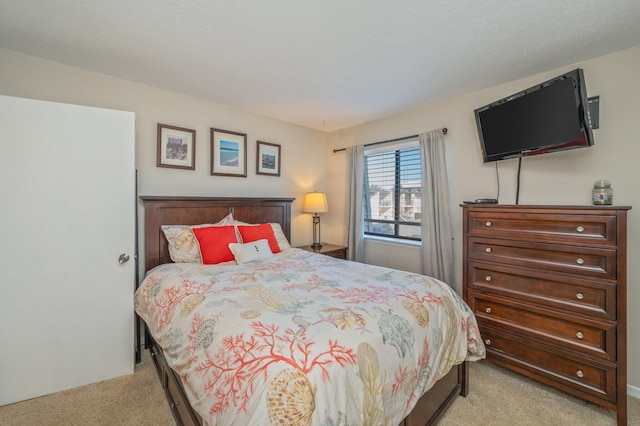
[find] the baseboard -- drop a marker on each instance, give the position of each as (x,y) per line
(633,391)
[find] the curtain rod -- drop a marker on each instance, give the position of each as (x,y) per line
(444,131)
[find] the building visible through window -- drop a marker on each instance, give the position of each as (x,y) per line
(392,201)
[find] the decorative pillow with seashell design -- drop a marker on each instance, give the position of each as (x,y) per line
(183,247)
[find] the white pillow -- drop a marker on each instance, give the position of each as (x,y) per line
(250,252)
(283,243)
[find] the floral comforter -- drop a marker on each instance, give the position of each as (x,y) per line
(303,338)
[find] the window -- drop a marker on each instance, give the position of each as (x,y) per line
(392,202)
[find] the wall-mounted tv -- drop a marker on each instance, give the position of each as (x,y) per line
(551,116)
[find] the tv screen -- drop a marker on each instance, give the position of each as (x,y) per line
(551,116)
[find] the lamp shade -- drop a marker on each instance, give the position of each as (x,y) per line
(315,202)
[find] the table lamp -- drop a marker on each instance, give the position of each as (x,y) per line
(315,202)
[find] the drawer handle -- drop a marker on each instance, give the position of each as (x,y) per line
(580,373)
(579,296)
(579,335)
(488,310)
(488,223)
(580,261)
(488,249)
(487,278)
(580,229)
(487,342)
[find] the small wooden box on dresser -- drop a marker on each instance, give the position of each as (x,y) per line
(548,285)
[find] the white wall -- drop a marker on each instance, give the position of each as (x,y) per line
(559,178)
(303,157)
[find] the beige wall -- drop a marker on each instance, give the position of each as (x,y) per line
(559,178)
(304,151)
(308,163)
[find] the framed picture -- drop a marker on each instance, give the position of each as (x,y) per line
(176,147)
(268,159)
(228,153)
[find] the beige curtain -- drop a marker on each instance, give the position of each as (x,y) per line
(437,240)
(355,198)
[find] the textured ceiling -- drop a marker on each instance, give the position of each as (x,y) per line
(325,64)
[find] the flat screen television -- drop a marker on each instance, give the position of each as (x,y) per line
(551,116)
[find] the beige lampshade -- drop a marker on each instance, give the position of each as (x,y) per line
(315,202)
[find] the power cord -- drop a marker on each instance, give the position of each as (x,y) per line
(518,180)
(498,182)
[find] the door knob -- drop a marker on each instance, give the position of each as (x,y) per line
(124,258)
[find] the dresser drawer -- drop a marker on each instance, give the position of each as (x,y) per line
(331,250)
(567,372)
(559,292)
(545,227)
(577,334)
(173,390)
(177,401)
(338,254)
(590,262)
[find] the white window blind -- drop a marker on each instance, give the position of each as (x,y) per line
(392,201)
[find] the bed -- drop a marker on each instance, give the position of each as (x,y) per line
(261,352)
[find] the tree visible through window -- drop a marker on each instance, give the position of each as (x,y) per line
(392,202)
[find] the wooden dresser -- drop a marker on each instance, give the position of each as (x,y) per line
(548,287)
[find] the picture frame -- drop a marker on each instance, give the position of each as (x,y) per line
(176,147)
(228,153)
(267,159)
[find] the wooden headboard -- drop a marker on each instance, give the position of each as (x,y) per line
(198,210)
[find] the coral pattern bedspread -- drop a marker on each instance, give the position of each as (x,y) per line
(303,338)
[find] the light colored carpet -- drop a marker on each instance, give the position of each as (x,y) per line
(497,397)
(136,399)
(500,397)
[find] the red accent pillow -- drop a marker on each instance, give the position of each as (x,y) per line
(259,232)
(214,243)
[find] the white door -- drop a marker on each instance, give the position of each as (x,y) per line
(67,183)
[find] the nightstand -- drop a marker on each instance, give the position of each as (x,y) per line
(339,252)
